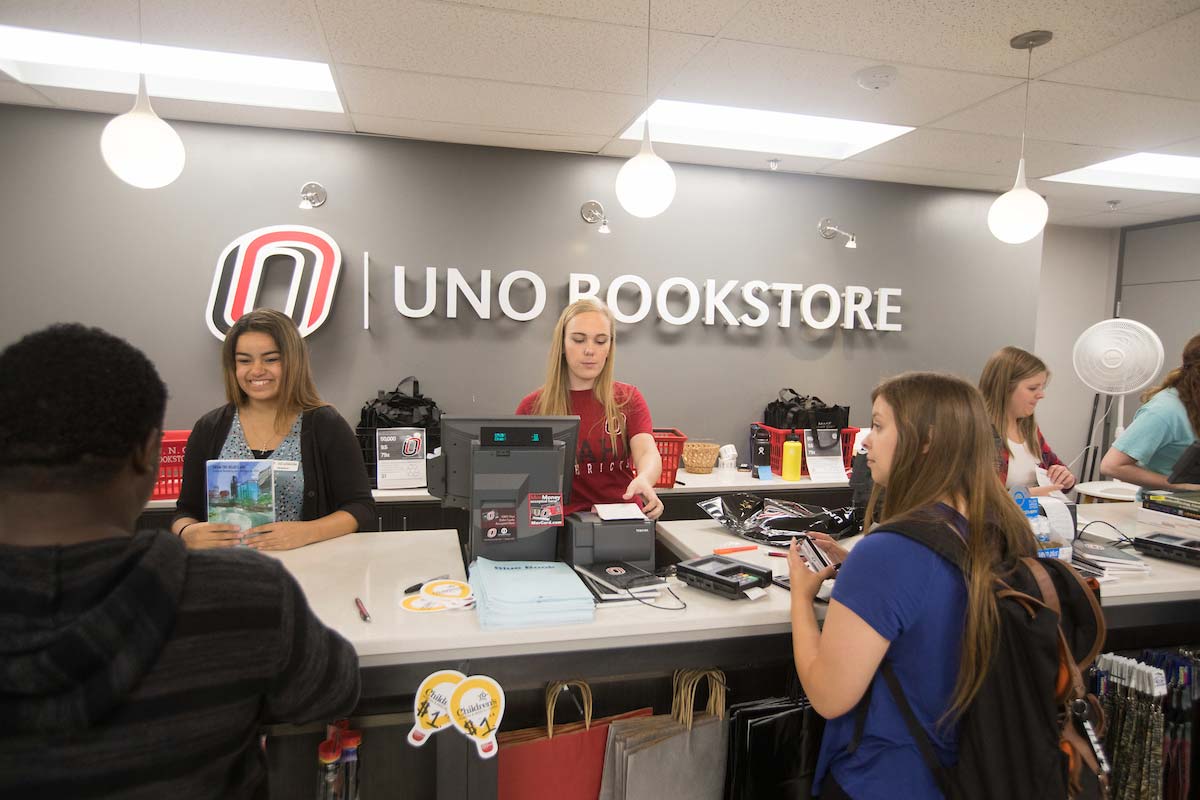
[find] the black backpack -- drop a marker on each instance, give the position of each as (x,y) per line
(1032,731)
(793,411)
(399,409)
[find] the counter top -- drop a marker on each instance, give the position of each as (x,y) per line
(685,483)
(1167,581)
(377,566)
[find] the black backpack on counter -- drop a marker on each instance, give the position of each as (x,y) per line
(399,409)
(794,410)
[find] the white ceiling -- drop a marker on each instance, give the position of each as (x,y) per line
(570,75)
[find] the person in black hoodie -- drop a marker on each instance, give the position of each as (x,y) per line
(130,666)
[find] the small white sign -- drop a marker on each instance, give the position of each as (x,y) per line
(400,458)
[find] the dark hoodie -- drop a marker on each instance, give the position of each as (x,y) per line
(133,668)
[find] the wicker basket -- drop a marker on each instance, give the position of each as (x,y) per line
(699,458)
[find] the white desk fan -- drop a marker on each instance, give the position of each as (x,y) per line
(1117,357)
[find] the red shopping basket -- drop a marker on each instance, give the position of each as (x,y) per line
(779,436)
(670,447)
(170,465)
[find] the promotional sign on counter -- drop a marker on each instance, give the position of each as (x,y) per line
(400,458)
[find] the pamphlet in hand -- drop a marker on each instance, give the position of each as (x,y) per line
(241,493)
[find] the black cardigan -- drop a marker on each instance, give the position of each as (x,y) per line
(335,478)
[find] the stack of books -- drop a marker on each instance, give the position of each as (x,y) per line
(1175,512)
(1100,560)
(521,594)
(619,582)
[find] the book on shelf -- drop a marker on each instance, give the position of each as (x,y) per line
(1186,500)
(1107,559)
(1167,508)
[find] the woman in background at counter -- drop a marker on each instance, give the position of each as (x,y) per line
(931,447)
(1012,383)
(615,433)
(1166,424)
(274,412)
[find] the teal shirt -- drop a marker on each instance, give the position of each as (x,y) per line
(1159,433)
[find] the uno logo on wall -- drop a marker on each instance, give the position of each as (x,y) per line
(315,261)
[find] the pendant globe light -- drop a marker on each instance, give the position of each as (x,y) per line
(138,146)
(1020,214)
(646,183)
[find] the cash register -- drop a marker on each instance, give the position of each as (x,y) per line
(512,474)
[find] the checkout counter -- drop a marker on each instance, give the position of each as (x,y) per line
(628,653)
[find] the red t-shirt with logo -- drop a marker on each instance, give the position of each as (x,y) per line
(601,474)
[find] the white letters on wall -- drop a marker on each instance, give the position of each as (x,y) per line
(730,303)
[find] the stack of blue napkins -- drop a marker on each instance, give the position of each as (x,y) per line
(520,594)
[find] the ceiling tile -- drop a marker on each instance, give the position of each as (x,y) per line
(1180,207)
(1062,113)
(933,148)
(470,41)
(19,94)
(110,19)
(616,12)
(1106,220)
(1189,147)
(1080,200)
(784,79)
(950,34)
(921,176)
(706,17)
(469,101)
(691,154)
(279,28)
(468,134)
(1164,61)
(195,111)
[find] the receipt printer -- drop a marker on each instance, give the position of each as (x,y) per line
(587,539)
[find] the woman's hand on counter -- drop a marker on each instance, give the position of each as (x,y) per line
(652,507)
(208,535)
(281,536)
(834,551)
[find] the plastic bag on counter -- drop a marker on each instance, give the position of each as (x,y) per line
(773,521)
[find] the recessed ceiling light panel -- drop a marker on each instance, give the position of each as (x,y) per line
(1155,172)
(46,58)
(754,130)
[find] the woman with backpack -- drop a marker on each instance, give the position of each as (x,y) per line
(1162,429)
(897,602)
(1012,384)
(615,432)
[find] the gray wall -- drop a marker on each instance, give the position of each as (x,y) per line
(1078,282)
(1160,286)
(80,245)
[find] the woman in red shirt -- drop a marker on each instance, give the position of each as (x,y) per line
(615,432)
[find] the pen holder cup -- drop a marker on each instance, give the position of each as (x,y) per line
(699,457)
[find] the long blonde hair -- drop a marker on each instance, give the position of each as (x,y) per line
(944,449)
(1184,379)
(555,399)
(297,392)
(1007,367)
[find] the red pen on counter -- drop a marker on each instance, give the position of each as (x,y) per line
(721,551)
(362,610)
(776,554)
